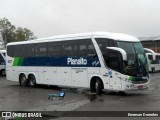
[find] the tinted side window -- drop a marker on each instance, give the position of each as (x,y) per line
(40,49)
(150,57)
(54,48)
(114,61)
(69,48)
(18,51)
(103,43)
(86,48)
(157,59)
(28,50)
(10,51)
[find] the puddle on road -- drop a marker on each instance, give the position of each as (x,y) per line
(69,102)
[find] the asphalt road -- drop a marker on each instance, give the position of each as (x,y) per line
(16,98)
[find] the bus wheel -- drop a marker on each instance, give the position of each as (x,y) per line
(3,72)
(23,80)
(96,87)
(153,70)
(121,93)
(32,81)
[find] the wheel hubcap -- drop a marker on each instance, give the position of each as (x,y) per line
(23,79)
(32,81)
(96,86)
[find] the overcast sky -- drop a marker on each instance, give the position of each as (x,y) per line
(140,18)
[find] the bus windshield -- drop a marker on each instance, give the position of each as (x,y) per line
(136,64)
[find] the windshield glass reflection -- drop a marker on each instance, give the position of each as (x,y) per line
(136,64)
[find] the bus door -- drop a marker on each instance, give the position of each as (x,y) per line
(115,66)
(114,80)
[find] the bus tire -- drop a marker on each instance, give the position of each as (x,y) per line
(96,87)
(23,80)
(32,81)
(2,72)
(153,69)
(121,93)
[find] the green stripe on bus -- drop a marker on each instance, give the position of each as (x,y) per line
(15,61)
(18,61)
(131,78)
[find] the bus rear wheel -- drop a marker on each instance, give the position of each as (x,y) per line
(23,80)
(32,81)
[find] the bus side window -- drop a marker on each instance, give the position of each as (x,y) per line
(10,51)
(150,57)
(103,43)
(54,48)
(18,51)
(86,48)
(28,50)
(91,50)
(158,59)
(69,48)
(40,49)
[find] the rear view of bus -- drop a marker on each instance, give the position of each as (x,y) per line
(2,62)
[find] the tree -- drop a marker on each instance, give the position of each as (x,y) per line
(7,31)
(10,33)
(23,34)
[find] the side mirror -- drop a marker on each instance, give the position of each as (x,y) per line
(123,52)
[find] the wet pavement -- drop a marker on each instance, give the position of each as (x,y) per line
(16,98)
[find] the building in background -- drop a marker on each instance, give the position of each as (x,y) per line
(151,43)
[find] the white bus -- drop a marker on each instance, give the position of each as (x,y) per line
(2,62)
(154,61)
(97,60)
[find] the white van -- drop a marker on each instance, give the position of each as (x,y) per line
(2,62)
(154,64)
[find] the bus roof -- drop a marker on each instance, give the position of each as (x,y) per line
(115,36)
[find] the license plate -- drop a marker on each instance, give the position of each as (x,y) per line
(140,86)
